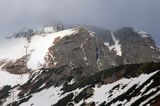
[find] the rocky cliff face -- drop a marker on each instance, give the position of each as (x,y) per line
(82,49)
(82,52)
(135,46)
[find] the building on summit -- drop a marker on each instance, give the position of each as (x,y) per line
(52,28)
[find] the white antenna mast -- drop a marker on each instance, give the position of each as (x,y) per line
(26,47)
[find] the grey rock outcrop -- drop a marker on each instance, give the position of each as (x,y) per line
(82,53)
(136,48)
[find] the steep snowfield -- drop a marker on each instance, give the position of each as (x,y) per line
(116,46)
(13,49)
(124,91)
(102,94)
(39,46)
(10,79)
(48,97)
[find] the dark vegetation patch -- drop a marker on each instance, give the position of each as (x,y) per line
(17,103)
(64,101)
(122,97)
(103,104)
(53,70)
(100,78)
(154,101)
(125,71)
(116,87)
(88,104)
(140,100)
(84,94)
(34,84)
(4,92)
(135,91)
(156,82)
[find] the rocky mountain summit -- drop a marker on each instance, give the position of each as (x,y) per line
(81,51)
(135,46)
(75,66)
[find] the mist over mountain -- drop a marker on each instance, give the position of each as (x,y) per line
(108,14)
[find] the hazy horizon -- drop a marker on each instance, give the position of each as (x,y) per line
(108,14)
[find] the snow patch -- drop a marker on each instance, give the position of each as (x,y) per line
(85,58)
(48,97)
(152,47)
(142,33)
(142,104)
(71,82)
(84,51)
(92,33)
(12,79)
(99,64)
(116,46)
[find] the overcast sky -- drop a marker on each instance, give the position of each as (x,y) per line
(110,14)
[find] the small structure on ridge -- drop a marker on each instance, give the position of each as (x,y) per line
(52,28)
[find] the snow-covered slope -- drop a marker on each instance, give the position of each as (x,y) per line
(11,79)
(12,49)
(15,48)
(142,33)
(101,93)
(107,93)
(127,85)
(49,96)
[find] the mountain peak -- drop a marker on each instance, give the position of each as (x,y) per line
(142,33)
(133,32)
